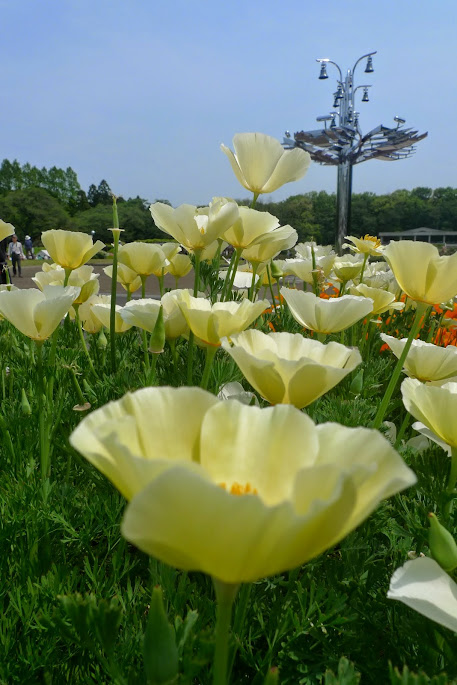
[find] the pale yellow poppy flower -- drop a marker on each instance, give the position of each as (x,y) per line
(179,265)
(270,245)
(383,300)
(368,245)
(347,267)
(145,259)
(34,313)
(102,312)
(83,277)
(435,406)
(127,277)
(287,368)
(193,227)
(6,230)
(420,271)
(89,322)
(201,495)
(141,313)
(249,227)
(261,164)
(70,249)
(425,361)
(209,323)
(326,316)
(422,585)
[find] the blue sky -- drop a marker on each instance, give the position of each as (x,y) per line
(143,92)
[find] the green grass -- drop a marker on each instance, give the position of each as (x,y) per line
(74,594)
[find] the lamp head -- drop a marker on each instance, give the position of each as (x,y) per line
(369,68)
(323,74)
(365,95)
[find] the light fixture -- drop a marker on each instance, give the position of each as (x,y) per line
(323,73)
(365,95)
(333,124)
(369,68)
(339,92)
(399,120)
(287,134)
(336,100)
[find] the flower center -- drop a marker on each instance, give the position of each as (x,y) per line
(372,239)
(238,489)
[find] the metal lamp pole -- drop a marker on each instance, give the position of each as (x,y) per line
(342,142)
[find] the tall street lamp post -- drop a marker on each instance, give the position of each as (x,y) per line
(341,142)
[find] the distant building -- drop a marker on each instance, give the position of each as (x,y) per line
(428,235)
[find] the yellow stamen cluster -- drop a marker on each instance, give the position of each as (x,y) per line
(371,238)
(238,489)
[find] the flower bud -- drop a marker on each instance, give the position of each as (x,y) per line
(442,545)
(102,341)
(157,339)
(25,406)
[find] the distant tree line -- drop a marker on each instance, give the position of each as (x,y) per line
(35,200)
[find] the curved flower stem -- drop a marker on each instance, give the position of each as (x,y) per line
(254,200)
(210,354)
(452,480)
(236,261)
(112,316)
(405,423)
(252,288)
(44,444)
(190,347)
(129,294)
(197,260)
(225,596)
(270,285)
(420,311)
(365,258)
(81,337)
(227,276)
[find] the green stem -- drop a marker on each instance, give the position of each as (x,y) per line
(145,351)
(152,371)
(363,334)
(81,398)
(270,285)
(452,480)
(129,294)
(112,316)
(160,279)
(197,260)
(210,354)
(365,258)
(403,427)
(251,293)
(254,199)
(81,337)
(239,621)
(238,252)
(420,311)
(190,347)
(44,451)
(225,596)
(227,276)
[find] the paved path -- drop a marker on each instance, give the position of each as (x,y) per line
(152,285)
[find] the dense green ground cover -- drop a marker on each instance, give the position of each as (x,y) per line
(74,594)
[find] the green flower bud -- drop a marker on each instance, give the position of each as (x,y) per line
(157,339)
(25,406)
(442,545)
(276,272)
(102,341)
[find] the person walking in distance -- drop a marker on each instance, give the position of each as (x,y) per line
(15,253)
(28,247)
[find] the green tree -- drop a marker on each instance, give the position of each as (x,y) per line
(32,211)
